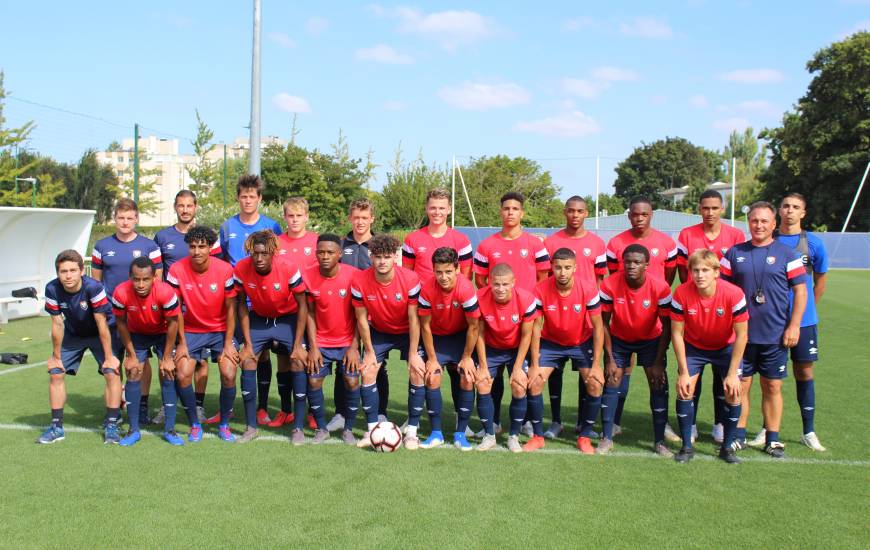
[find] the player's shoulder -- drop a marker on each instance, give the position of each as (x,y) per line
(408,276)
(663,237)
(105,242)
(220,266)
(524,295)
(92,286)
(814,241)
(458,236)
(729,289)
(659,284)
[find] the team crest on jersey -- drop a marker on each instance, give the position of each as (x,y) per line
(577,308)
(83,304)
(524,252)
(213,287)
(587,251)
(137,253)
(654,251)
(724,250)
(455,304)
(515,318)
(646,304)
(276,286)
(720,311)
(398,296)
(771,260)
(307,251)
(342,292)
(153,307)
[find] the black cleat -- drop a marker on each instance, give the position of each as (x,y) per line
(686,454)
(729,455)
(775,449)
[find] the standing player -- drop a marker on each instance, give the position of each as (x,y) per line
(332,335)
(591,267)
(711,234)
(449,316)
(110,264)
(205,286)
(766,269)
(508,313)
(79,322)
(708,325)
(298,244)
(560,334)
(385,303)
(146,312)
(233,234)
(636,321)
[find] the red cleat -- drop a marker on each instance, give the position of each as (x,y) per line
(216,418)
(584,445)
(311,422)
(535,443)
(263,417)
(280,419)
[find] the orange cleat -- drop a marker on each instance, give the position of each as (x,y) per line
(584,445)
(311,422)
(533,444)
(263,417)
(216,418)
(280,419)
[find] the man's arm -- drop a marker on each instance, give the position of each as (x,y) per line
(670,272)
(426,335)
(683,379)
(525,343)
(664,341)
(298,352)
(732,380)
(365,335)
(54,361)
(793,330)
(244,323)
(820,280)
(414,360)
(111,362)
(126,340)
(230,351)
(535,344)
(480,280)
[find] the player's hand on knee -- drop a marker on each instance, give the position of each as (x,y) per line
(54,363)
(167,368)
(732,388)
(684,386)
(611,371)
(112,365)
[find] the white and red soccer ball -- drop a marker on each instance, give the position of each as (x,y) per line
(385,437)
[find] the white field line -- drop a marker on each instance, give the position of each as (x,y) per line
(567,452)
(23,367)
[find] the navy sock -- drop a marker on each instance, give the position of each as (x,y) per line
(730,418)
(227,398)
(582,397)
(369,396)
(249,396)
(57,417)
(623,394)
(113,414)
(554,384)
(497,393)
(685,415)
(200,399)
(339,397)
(315,403)
(486,410)
(434,404)
(300,392)
(170,399)
(740,434)
(264,380)
(536,413)
(133,392)
(589,406)
(143,402)
(517,410)
(285,391)
(466,403)
(658,404)
(770,437)
(719,404)
(383,391)
(351,406)
(696,399)
(806,396)
(609,404)
(188,401)
(416,399)
(455,387)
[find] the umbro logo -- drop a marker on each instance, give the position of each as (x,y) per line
(741,259)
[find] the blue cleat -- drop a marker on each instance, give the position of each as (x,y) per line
(195,435)
(461,442)
(112,435)
(225,434)
(130,439)
(173,438)
(52,434)
(435,439)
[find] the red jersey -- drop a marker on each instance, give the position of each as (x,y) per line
(503,322)
(526,255)
(203,294)
(635,313)
(565,316)
(662,251)
(270,295)
(590,252)
(693,238)
(300,251)
(387,304)
(145,315)
(449,310)
(419,246)
(330,302)
(709,322)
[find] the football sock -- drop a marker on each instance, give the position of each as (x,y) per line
(486,410)
(200,399)
(315,403)
(731,415)
(227,397)
(188,401)
(249,396)
(685,414)
(517,411)
(300,392)
(582,397)
(434,404)
(554,384)
(719,404)
(383,391)
(623,394)
(57,417)
(133,392)
(143,402)
(264,380)
(696,399)
(369,396)
(536,413)
(339,396)
(589,407)
(416,398)
(351,406)
(806,396)
(113,414)
(658,404)
(497,393)
(170,399)
(740,434)
(770,437)
(455,388)
(609,403)
(465,404)
(285,391)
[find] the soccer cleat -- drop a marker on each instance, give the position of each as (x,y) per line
(336,423)
(281,419)
(297,437)
(469,432)
(363,443)
(738,445)
(347,437)
(320,436)
(130,439)
(217,418)
(173,438)
(811,440)
(111,434)
(411,442)
(729,455)
(694,433)
(604,446)
(52,434)
(617,430)
(553,431)
(528,430)
(195,435)
(482,433)
(460,441)
(488,442)
(718,433)
(160,417)
(662,450)
(670,435)
(144,418)
(759,440)
(225,434)
(435,439)
(263,417)
(775,449)
(200,415)
(584,445)
(686,454)
(312,424)
(535,443)
(383,418)
(513,444)
(251,433)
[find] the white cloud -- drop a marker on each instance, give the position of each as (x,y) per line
(281,39)
(577,24)
(698,101)
(394,105)
(586,89)
(381,53)
(316,25)
(646,27)
(730,124)
(480,96)
(573,124)
(613,74)
(451,29)
(753,76)
(290,103)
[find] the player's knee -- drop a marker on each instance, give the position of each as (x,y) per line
(466,385)
(518,389)
(614,379)
(351,382)
(594,386)
(536,385)
(434,381)
(315,383)
(134,374)
(484,386)
(56,378)
(415,379)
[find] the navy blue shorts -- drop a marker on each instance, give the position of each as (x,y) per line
(202,345)
(499,358)
(144,344)
(335,356)
(72,350)
(697,359)
(449,347)
(645,350)
(768,360)
(555,356)
(384,343)
(268,330)
(807,348)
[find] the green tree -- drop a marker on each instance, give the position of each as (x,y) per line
(751,160)
(404,195)
(10,167)
(823,146)
(665,164)
(149,202)
(91,186)
(205,173)
(609,205)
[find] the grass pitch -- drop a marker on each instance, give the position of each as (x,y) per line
(81,493)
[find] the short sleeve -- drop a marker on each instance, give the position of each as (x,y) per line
(51,305)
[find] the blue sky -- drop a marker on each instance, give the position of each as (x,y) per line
(546,80)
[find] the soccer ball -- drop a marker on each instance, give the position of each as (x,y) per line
(386,437)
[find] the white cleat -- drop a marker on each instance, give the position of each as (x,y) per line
(617,430)
(412,443)
(528,430)
(336,423)
(364,443)
(662,450)
(470,433)
(553,431)
(160,417)
(482,433)
(694,432)
(487,443)
(670,434)
(513,444)
(718,433)
(759,440)
(383,418)
(811,440)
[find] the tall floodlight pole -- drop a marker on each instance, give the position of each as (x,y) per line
(733,187)
(597,186)
(453,193)
(855,200)
(254,158)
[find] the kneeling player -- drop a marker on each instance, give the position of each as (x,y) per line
(635,310)
(79,311)
(278,312)
(449,316)
(708,325)
(508,313)
(205,286)
(146,313)
(562,333)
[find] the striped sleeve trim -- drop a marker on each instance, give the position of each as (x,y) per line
(542,255)
(170,278)
(606,299)
(295,280)
(423,303)
(471,304)
(594,303)
(171,304)
(676,307)
(530,311)
(117,305)
(465,253)
(414,293)
(407,251)
(480,260)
